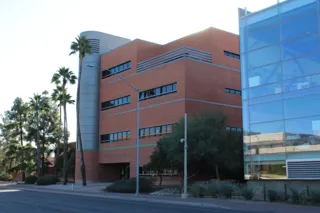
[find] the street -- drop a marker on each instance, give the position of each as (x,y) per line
(15,201)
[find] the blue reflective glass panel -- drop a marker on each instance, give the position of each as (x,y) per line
(264,37)
(301,46)
(302,92)
(267,128)
(264,56)
(271,111)
(303,128)
(299,11)
(301,83)
(245,117)
(302,106)
(306,65)
(269,89)
(306,24)
(265,75)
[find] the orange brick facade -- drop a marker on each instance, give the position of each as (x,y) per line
(200,86)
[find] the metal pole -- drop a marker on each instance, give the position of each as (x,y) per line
(185,193)
(138,145)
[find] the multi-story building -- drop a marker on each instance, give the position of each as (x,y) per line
(280,72)
(190,75)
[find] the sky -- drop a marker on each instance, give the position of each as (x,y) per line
(35,35)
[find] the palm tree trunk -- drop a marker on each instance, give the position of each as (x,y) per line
(22,150)
(65,146)
(38,148)
(83,168)
(58,148)
(42,158)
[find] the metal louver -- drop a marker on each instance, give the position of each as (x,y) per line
(303,169)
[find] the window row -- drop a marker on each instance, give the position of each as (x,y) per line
(232,91)
(156,130)
(116,69)
(111,137)
(233,129)
(232,55)
(115,102)
(158,91)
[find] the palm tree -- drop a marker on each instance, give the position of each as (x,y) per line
(61,78)
(82,46)
(38,104)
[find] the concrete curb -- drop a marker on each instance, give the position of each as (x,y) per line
(149,200)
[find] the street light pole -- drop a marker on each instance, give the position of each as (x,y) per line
(138,130)
(138,136)
(184,195)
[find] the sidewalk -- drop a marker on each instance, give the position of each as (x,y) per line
(96,190)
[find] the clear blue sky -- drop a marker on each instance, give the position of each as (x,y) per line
(35,35)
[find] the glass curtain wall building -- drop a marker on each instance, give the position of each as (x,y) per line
(280,74)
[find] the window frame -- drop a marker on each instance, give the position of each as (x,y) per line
(116,69)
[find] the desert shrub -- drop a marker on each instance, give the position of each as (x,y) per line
(195,189)
(129,186)
(6,177)
(213,189)
(296,196)
(272,195)
(47,180)
(247,193)
(226,189)
(315,196)
(31,180)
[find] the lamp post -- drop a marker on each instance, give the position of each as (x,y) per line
(184,195)
(137,129)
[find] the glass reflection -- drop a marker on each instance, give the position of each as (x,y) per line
(301,83)
(271,111)
(299,11)
(301,46)
(265,75)
(266,170)
(307,23)
(306,65)
(303,134)
(264,56)
(302,106)
(263,37)
(269,89)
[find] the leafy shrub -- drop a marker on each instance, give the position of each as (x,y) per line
(6,177)
(247,193)
(296,196)
(47,180)
(31,180)
(315,196)
(129,186)
(272,195)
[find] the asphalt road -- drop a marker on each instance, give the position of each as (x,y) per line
(13,201)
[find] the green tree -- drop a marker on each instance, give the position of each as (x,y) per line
(210,148)
(158,162)
(61,78)
(18,119)
(38,105)
(81,46)
(16,157)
